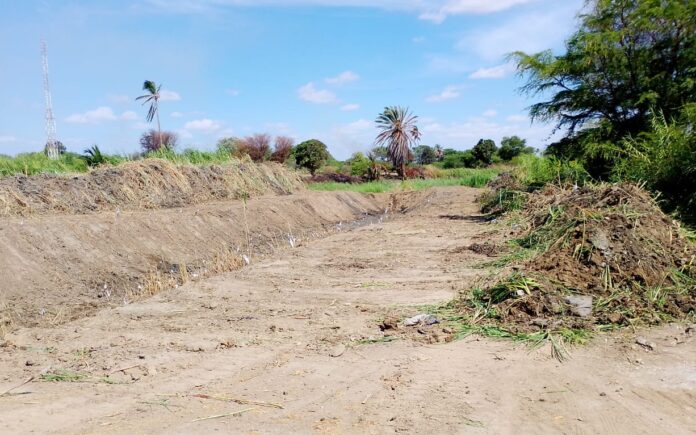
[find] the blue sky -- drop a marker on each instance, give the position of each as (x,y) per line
(305,68)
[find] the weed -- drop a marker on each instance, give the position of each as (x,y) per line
(63,376)
(365,341)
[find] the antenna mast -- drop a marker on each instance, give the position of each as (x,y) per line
(51,142)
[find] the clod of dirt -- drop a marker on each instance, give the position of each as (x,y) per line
(488,249)
(421,319)
(390,323)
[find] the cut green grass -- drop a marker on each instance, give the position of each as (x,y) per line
(366,341)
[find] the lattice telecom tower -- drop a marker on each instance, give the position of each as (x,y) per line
(51,142)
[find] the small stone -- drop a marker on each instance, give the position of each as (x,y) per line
(337,351)
(649,345)
(29,363)
(603,394)
(580,305)
(425,319)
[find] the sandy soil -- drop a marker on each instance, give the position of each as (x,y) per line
(267,333)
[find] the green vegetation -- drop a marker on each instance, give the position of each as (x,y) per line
(472,178)
(624,94)
(311,155)
(38,163)
(63,376)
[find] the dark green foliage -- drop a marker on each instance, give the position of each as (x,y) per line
(359,165)
(513,146)
(459,159)
(229,145)
(424,154)
(311,155)
(629,59)
(483,151)
(663,158)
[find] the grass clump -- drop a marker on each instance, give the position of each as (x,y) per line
(63,375)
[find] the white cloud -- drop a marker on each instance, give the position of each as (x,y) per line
(465,134)
(490,113)
(176,115)
(516,119)
(495,72)
(311,94)
(478,7)
(184,134)
(531,32)
(345,139)
(7,139)
(167,95)
(418,39)
(431,10)
(95,116)
(204,125)
(449,93)
(343,78)
(232,92)
(129,115)
(350,107)
(119,99)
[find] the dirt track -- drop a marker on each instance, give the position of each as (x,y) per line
(266,332)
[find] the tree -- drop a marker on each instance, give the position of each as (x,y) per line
(282,149)
(513,146)
(439,153)
(483,151)
(399,133)
(628,61)
(156,141)
(257,147)
(424,154)
(311,154)
(379,154)
(94,157)
(359,164)
(152,97)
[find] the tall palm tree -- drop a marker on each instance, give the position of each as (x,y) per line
(398,132)
(152,97)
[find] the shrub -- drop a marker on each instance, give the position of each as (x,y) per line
(311,155)
(282,149)
(94,157)
(228,145)
(359,165)
(257,147)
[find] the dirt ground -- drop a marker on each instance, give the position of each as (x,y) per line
(294,339)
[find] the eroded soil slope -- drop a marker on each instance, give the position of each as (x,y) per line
(292,343)
(58,268)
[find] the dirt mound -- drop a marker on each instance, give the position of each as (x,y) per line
(601,255)
(61,267)
(146,184)
(334,177)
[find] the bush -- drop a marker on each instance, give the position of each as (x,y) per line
(257,147)
(311,155)
(537,171)
(665,159)
(359,165)
(282,149)
(228,145)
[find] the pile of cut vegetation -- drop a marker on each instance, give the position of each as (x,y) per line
(145,184)
(589,257)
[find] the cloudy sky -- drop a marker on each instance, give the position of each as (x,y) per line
(305,68)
